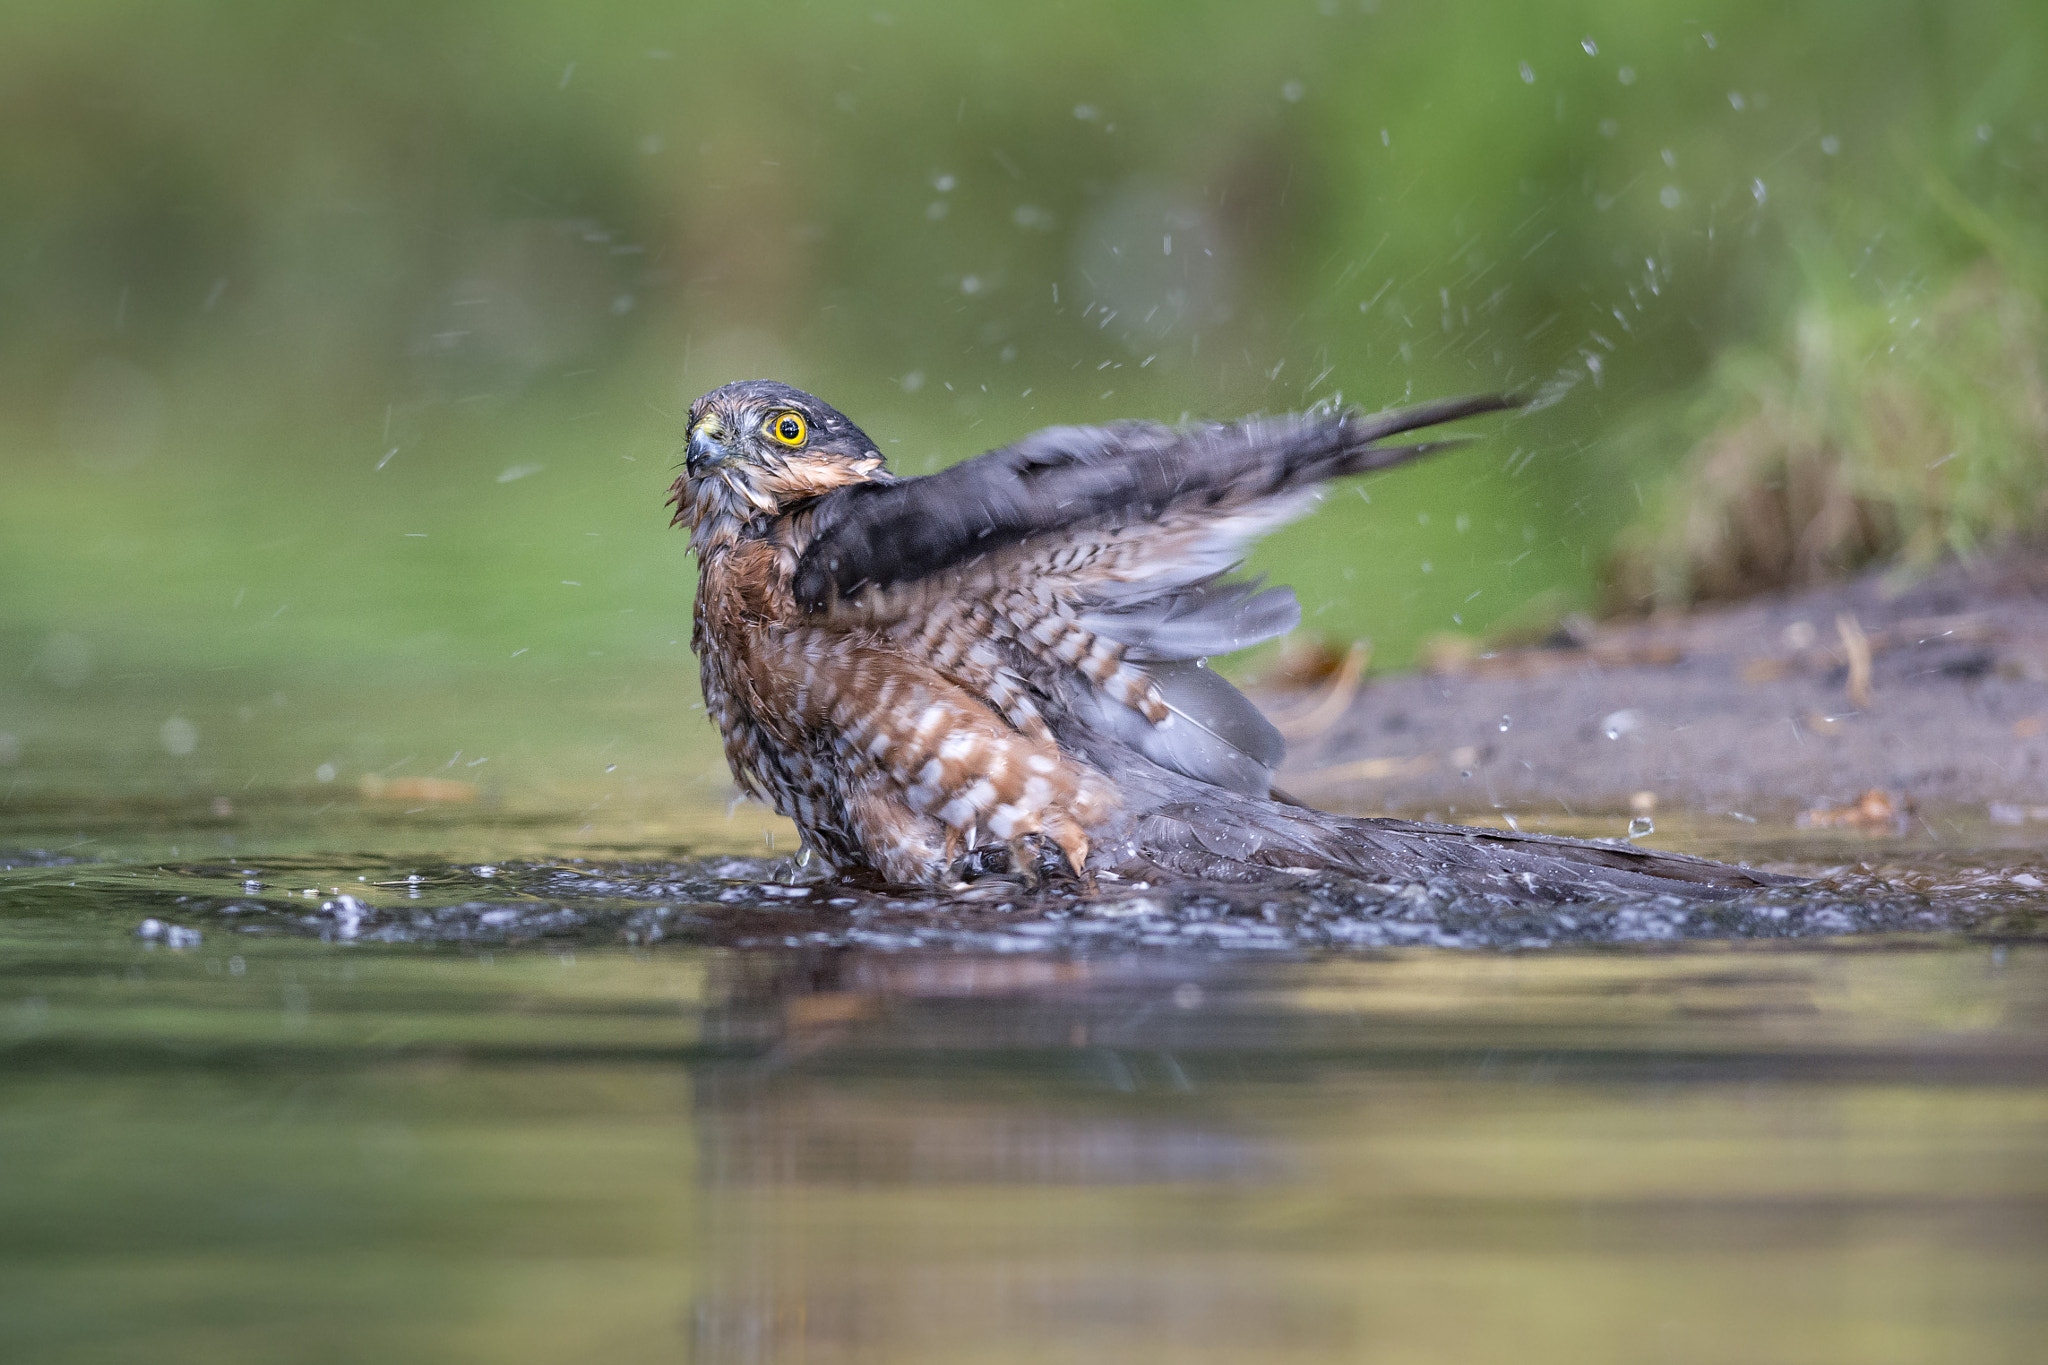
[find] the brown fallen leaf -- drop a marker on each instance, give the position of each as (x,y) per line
(1859,647)
(1453,656)
(1448,654)
(1319,713)
(1304,661)
(416,789)
(1856,645)
(1875,809)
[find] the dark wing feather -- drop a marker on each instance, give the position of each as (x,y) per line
(879,535)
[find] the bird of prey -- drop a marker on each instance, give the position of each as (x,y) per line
(999,669)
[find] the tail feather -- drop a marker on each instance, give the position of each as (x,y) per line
(1174,828)
(1191,842)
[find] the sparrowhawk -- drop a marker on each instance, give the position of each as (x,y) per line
(999,669)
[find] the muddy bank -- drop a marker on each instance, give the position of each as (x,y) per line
(1933,689)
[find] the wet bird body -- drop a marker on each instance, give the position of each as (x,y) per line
(999,667)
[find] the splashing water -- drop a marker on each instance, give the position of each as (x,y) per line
(739,902)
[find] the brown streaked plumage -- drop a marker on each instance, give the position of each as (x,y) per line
(1001,665)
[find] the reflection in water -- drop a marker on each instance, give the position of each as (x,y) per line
(1707,1156)
(528,1127)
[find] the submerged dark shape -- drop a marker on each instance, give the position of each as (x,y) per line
(1002,664)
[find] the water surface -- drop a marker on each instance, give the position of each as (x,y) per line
(522,1086)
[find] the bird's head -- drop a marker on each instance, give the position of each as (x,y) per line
(759,449)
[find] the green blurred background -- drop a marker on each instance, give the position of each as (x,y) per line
(343,348)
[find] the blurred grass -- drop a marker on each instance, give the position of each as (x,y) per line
(1903,428)
(341,350)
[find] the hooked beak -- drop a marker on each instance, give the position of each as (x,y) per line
(707,451)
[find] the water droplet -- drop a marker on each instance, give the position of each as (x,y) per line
(1641,825)
(1619,723)
(1592,48)
(1505,722)
(324,773)
(1293,91)
(178,736)
(1528,74)
(1669,196)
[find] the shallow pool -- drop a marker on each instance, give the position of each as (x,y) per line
(526,1086)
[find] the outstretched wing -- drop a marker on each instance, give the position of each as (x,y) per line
(1100,552)
(1066,482)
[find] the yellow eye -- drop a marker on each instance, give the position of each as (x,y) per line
(786,427)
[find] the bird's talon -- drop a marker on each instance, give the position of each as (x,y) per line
(1024,861)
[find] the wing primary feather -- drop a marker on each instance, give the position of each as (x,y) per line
(1378,425)
(876,535)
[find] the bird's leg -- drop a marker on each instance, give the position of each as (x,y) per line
(900,844)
